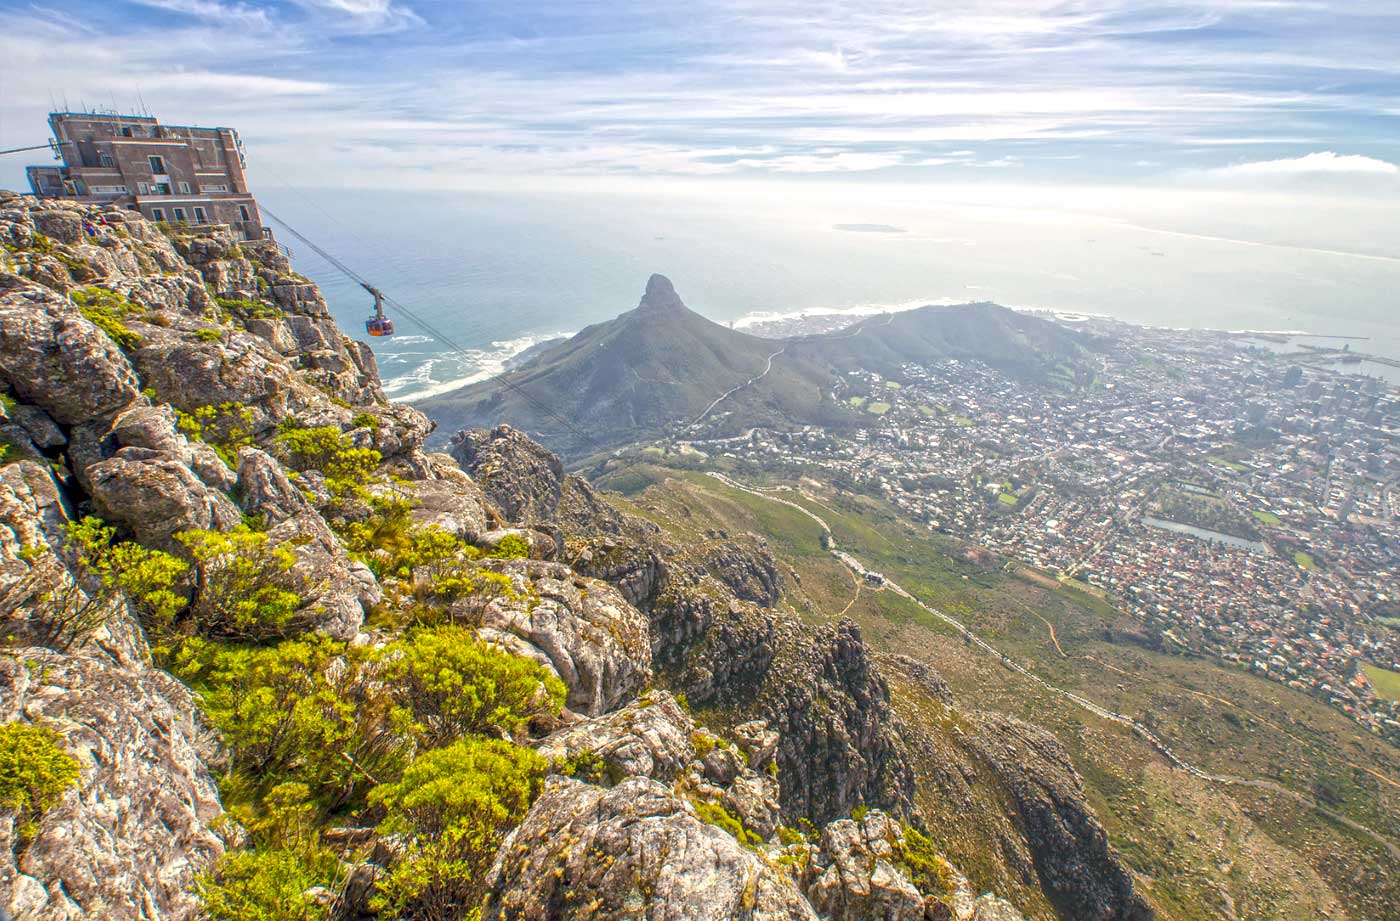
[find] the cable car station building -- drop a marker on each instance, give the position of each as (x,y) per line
(178,174)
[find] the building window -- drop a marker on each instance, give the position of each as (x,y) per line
(179,214)
(107,162)
(243,211)
(220,187)
(158,213)
(199,217)
(126,132)
(161,188)
(157,164)
(144,188)
(184,188)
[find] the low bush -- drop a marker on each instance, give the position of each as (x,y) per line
(452,684)
(243,587)
(266,885)
(453,807)
(34,772)
(106,309)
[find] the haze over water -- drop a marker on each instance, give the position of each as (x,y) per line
(498,272)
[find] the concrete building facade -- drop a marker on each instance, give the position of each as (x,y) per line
(169,173)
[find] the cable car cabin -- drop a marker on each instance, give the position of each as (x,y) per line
(378,325)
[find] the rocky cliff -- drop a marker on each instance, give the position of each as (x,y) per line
(301,667)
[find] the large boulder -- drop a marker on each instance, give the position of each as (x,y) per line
(633,851)
(54,358)
(449,499)
(580,628)
(155,496)
(128,842)
(649,738)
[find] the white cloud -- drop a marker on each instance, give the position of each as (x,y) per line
(239,14)
(364,16)
(1323,161)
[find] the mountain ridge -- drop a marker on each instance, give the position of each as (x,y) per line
(661,365)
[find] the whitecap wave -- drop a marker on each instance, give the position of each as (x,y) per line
(463,368)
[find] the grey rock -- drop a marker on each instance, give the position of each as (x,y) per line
(1079,870)
(593,639)
(154,497)
(758,742)
(55,359)
(649,738)
(520,477)
(855,875)
(989,907)
(42,430)
(128,842)
(449,499)
(633,851)
(721,765)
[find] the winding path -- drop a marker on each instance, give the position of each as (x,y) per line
(859,568)
(733,390)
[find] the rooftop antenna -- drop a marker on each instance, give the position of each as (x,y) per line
(142,100)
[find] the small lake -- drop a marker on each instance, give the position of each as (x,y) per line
(1203,534)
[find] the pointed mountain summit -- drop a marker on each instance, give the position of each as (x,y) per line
(660,296)
(627,379)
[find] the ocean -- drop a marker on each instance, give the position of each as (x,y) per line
(498,272)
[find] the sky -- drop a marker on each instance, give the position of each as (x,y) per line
(1292,97)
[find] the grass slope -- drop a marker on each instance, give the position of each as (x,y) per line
(1200,849)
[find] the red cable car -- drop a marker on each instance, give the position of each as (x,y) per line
(378,325)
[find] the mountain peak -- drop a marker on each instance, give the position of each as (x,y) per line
(660,295)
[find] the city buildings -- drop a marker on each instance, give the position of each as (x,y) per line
(169,173)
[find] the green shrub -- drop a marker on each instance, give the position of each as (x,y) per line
(266,885)
(147,579)
(106,310)
(210,335)
(248,310)
(365,421)
(326,449)
(287,715)
(510,547)
(242,584)
(34,772)
(715,814)
(225,427)
(452,684)
(453,808)
(926,868)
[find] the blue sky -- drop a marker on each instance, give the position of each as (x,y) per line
(1295,94)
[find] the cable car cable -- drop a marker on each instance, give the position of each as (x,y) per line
(427,327)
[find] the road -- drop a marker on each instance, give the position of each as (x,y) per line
(1165,750)
(733,390)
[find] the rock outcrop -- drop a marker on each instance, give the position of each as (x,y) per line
(580,628)
(635,850)
(1080,872)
